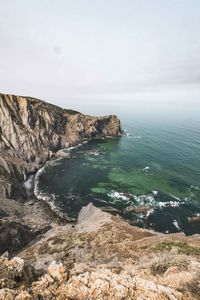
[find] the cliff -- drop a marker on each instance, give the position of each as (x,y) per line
(101,256)
(32,130)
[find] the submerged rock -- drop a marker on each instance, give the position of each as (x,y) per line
(144,209)
(194,219)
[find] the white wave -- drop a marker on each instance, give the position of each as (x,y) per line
(77,146)
(150,212)
(49,199)
(145,199)
(140,216)
(176,198)
(149,199)
(37,175)
(37,192)
(187,199)
(140,200)
(146,169)
(117,195)
(155,193)
(194,187)
(176,224)
(28,184)
(126,133)
(169,204)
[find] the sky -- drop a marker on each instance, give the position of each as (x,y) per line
(102,55)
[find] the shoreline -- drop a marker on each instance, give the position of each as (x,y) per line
(31,189)
(49,199)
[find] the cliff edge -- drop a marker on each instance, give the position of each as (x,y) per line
(31,131)
(102,257)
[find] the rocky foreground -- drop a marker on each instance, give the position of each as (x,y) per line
(99,257)
(103,257)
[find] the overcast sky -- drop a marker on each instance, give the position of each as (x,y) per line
(75,52)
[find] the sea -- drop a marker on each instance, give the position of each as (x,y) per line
(150,176)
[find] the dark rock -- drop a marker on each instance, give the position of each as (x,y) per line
(14,236)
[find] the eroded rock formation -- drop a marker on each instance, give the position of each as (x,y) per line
(32,130)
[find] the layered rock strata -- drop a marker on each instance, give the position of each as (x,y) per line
(31,131)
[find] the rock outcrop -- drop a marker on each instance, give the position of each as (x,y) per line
(31,131)
(108,260)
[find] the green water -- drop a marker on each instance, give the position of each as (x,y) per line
(161,157)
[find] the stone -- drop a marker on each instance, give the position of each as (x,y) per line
(57,271)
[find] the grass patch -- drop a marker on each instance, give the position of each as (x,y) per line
(182,247)
(162,264)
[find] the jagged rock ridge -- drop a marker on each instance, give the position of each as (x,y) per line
(103,260)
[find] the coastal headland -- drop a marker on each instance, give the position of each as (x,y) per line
(100,256)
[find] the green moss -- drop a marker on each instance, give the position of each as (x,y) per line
(183,247)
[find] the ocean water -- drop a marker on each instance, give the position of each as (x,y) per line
(150,176)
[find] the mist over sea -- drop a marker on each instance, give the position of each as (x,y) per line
(155,166)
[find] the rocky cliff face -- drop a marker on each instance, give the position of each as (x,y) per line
(32,130)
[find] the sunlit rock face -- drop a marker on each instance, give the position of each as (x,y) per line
(31,131)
